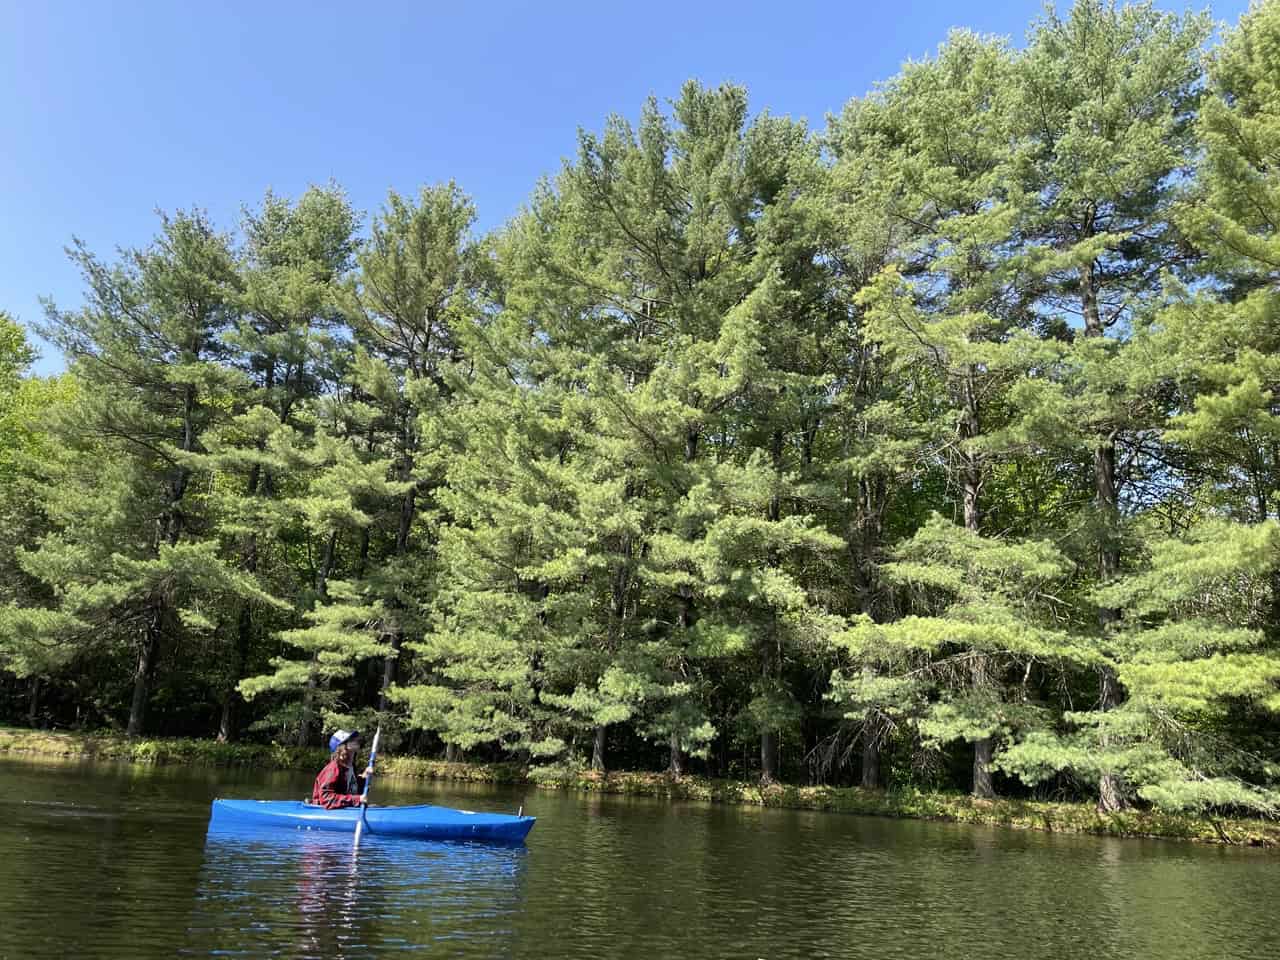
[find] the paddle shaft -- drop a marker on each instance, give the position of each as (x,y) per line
(368,781)
(373,755)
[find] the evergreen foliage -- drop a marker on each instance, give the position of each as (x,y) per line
(938,447)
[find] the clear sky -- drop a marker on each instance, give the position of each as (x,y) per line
(112,110)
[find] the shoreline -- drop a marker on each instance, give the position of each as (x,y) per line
(1045,816)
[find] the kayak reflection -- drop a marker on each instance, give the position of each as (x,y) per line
(315,894)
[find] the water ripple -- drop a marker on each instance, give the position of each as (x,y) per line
(119,863)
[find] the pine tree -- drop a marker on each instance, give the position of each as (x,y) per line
(344,624)
(876,447)
(17,428)
(967,664)
(417,284)
(16,356)
(28,451)
(708,263)
(948,311)
(1224,337)
(127,559)
(494,641)
(1189,653)
(283,340)
(1104,98)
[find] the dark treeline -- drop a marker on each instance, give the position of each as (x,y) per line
(941,446)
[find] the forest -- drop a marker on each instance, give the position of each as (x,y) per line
(936,444)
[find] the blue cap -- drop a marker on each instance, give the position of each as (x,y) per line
(342,736)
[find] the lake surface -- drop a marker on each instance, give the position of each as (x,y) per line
(117,862)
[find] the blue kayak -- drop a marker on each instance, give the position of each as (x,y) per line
(420,822)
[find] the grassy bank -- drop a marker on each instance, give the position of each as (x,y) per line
(915,804)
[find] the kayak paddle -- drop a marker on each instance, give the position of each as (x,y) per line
(364,796)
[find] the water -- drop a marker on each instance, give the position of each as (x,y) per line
(117,862)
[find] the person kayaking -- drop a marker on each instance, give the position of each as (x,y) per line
(337,784)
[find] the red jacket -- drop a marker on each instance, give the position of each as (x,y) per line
(337,787)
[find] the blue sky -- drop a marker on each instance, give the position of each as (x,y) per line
(110,111)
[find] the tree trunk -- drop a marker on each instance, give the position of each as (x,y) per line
(389,670)
(408,506)
(227,720)
(322,581)
(769,757)
(172,523)
(1110,795)
(326,565)
(871,729)
(33,708)
(1089,299)
(232,702)
(174,518)
(304,727)
(229,723)
(362,561)
(597,748)
(982,752)
(691,444)
(451,753)
(1106,496)
(142,678)
(772,652)
(676,766)
(870,764)
(864,542)
(1108,501)
(971,428)
(864,537)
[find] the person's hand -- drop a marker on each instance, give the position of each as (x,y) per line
(368,772)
